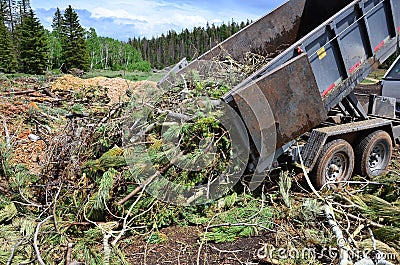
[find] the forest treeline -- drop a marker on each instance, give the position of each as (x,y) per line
(27,47)
(170,48)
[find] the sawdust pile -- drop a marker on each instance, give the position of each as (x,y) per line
(116,87)
(31,154)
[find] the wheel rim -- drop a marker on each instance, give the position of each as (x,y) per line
(336,167)
(377,157)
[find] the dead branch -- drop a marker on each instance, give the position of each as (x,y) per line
(150,179)
(45,99)
(125,223)
(69,253)
(356,218)
(8,140)
(18,93)
(13,251)
(54,209)
(35,240)
(48,93)
(341,241)
(110,114)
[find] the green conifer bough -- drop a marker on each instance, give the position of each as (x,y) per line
(8,62)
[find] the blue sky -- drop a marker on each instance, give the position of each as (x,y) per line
(122,19)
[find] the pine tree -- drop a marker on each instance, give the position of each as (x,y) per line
(3,8)
(10,15)
(54,41)
(24,6)
(72,35)
(7,56)
(33,46)
(57,20)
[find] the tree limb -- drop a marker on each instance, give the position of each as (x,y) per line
(35,239)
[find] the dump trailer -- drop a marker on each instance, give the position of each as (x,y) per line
(320,51)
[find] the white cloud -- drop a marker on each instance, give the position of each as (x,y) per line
(152,18)
(133,18)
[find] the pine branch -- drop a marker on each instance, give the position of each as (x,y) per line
(150,179)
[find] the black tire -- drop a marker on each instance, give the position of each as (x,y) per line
(373,154)
(334,164)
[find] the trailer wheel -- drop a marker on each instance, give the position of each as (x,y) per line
(373,154)
(334,164)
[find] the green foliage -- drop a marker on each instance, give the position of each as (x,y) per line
(5,155)
(33,46)
(105,186)
(390,189)
(310,210)
(7,212)
(55,49)
(107,53)
(72,36)
(209,89)
(379,209)
(8,62)
(143,66)
(243,219)
(78,108)
(113,158)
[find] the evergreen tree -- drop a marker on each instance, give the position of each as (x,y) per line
(72,35)
(168,49)
(10,15)
(7,56)
(3,8)
(24,6)
(54,40)
(33,46)
(57,20)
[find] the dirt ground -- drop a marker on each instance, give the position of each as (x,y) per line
(184,247)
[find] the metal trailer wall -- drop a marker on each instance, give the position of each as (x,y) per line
(341,52)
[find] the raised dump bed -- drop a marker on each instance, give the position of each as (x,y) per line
(318,70)
(320,50)
(276,31)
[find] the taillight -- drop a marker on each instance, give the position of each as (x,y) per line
(380,88)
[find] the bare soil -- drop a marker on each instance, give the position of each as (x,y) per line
(183,246)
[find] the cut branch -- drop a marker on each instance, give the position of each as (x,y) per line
(35,240)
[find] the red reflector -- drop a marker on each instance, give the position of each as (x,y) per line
(379,46)
(327,91)
(355,67)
